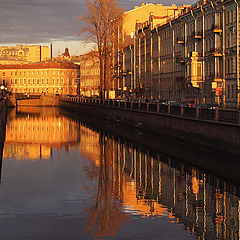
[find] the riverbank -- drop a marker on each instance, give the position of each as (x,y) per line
(207,133)
(3,121)
(220,162)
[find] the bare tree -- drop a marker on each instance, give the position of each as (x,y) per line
(99,25)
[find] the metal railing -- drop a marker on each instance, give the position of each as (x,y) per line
(217,114)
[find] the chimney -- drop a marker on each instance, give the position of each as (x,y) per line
(51,51)
(40,53)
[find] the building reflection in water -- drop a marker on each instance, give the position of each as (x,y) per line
(32,133)
(151,185)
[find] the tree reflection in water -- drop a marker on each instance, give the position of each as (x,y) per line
(106,214)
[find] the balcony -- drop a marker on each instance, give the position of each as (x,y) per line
(180,60)
(180,79)
(180,40)
(194,54)
(218,77)
(217,52)
(197,35)
(216,29)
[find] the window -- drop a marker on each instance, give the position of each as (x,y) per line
(42,81)
(227,18)
(33,81)
(24,80)
(47,80)
(15,80)
(42,72)
(11,81)
(29,81)
(20,81)
(231,17)
(199,69)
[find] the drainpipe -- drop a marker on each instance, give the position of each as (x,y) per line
(159,62)
(134,61)
(151,65)
(118,60)
(123,70)
(145,61)
(131,80)
(203,56)
(173,55)
(224,60)
(139,60)
(238,86)
(215,43)
(195,30)
(185,57)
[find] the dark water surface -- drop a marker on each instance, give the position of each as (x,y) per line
(63,180)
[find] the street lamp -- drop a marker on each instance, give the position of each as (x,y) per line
(2,89)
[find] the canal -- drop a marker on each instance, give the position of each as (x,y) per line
(63,177)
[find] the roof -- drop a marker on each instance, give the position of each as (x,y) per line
(40,65)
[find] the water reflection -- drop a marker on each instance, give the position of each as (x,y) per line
(151,185)
(2,135)
(112,188)
(32,133)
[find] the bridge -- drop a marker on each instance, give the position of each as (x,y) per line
(40,100)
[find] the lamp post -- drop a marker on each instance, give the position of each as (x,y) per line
(2,90)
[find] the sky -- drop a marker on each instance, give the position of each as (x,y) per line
(52,21)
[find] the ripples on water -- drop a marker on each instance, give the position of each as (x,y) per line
(62,179)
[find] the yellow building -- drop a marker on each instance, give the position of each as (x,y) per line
(135,22)
(89,74)
(38,78)
(24,53)
(141,15)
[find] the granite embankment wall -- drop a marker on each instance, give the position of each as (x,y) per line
(184,151)
(214,134)
(3,120)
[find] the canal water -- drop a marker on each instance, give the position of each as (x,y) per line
(62,178)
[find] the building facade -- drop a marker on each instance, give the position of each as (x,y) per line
(89,74)
(24,54)
(193,55)
(125,35)
(41,78)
